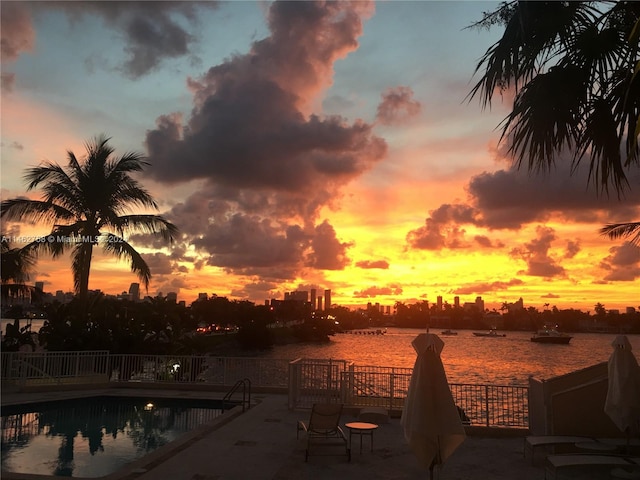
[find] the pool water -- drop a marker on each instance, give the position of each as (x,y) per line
(93,437)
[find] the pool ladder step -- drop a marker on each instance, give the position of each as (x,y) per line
(245,383)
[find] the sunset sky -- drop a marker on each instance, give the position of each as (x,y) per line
(302,145)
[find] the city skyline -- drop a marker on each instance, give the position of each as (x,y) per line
(319,302)
(349,158)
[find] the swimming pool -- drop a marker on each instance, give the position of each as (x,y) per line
(93,437)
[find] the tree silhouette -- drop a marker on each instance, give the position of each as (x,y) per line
(575,70)
(89,203)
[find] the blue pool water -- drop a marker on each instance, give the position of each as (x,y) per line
(93,437)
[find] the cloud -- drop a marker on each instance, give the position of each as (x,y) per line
(397,106)
(508,199)
(249,127)
(486,242)
(441,230)
(536,254)
(369,264)
(623,263)
(374,291)
(159,263)
(327,252)
(18,34)
(153,31)
(260,289)
(266,163)
(511,199)
(487,287)
(550,295)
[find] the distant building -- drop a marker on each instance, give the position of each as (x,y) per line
(134,292)
(301,296)
(172,297)
(40,286)
(203,296)
(439,303)
(327,299)
(319,304)
(456,302)
(313,298)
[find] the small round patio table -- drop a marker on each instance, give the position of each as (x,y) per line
(361,428)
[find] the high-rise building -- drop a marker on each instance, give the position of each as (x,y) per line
(40,286)
(134,292)
(313,298)
(172,297)
(327,299)
(319,304)
(456,301)
(439,303)
(300,295)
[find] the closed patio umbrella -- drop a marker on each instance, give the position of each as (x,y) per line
(623,395)
(430,419)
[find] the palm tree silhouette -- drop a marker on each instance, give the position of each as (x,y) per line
(17,264)
(89,203)
(575,70)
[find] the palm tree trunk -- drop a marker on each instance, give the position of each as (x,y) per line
(84,267)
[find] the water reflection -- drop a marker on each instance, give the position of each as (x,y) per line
(92,437)
(506,360)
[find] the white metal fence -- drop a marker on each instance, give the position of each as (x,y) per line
(306,381)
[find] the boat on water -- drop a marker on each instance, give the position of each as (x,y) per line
(491,333)
(448,332)
(551,335)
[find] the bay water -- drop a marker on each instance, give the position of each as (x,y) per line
(509,360)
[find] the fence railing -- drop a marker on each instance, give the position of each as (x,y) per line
(51,368)
(307,381)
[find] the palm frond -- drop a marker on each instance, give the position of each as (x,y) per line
(623,230)
(25,210)
(16,263)
(544,118)
(120,248)
(145,224)
(600,138)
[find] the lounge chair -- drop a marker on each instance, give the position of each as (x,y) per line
(323,429)
(606,444)
(533,441)
(557,462)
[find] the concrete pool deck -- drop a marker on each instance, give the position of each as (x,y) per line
(261,444)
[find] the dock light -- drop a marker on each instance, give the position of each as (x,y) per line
(175,367)
(149,406)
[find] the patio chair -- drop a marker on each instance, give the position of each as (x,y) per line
(627,464)
(323,429)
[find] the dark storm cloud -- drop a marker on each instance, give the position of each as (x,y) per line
(269,163)
(249,127)
(511,199)
(327,252)
(535,253)
(266,290)
(153,31)
(246,242)
(623,263)
(367,264)
(441,230)
(159,263)
(397,106)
